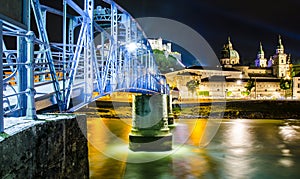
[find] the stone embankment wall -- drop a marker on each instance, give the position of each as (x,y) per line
(52,148)
(246,109)
(263,109)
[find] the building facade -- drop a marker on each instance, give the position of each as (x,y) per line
(296,86)
(159,45)
(230,80)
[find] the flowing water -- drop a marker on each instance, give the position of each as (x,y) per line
(240,149)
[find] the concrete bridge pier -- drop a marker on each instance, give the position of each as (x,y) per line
(170,111)
(150,131)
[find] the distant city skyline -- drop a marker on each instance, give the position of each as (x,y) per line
(247,22)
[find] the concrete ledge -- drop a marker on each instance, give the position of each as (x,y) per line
(54,147)
(150,143)
(170,120)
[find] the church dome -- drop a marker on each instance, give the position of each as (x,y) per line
(234,54)
(229,56)
(229,52)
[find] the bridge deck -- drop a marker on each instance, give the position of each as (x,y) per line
(43,98)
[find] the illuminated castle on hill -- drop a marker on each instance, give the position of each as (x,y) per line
(166,48)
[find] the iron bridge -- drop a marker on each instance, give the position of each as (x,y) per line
(103,50)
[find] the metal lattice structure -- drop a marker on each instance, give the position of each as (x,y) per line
(103,50)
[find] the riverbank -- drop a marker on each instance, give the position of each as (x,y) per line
(263,109)
(240,109)
(245,109)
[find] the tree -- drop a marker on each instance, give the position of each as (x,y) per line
(285,84)
(166,63)
(250,84)
(192,85)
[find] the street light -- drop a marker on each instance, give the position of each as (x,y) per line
(131,47)
(239,82)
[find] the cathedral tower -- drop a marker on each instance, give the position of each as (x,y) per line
(280,61)
(261,61)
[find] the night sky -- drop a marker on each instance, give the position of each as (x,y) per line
(246,22)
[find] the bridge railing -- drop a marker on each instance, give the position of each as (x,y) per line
(16,64)
(11,65)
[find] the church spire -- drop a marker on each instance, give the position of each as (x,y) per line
(261,61)
(279,40)
(229,43)
(261,51)
(280,48)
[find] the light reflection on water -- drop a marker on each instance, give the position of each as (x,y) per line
(241,149)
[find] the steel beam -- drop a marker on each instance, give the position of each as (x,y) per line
(114,50)
(26,14)
(74,63)
(43,35)
(76,8)
(1,81)
(89,51)
(64,105)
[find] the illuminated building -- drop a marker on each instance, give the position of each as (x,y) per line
(229,56)
(157,44)
(229,80)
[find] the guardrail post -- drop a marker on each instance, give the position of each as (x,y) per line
(31,110)
(1,82)
(22,75)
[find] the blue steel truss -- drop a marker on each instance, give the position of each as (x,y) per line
(103,50)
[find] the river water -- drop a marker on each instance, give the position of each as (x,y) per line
(240,149)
